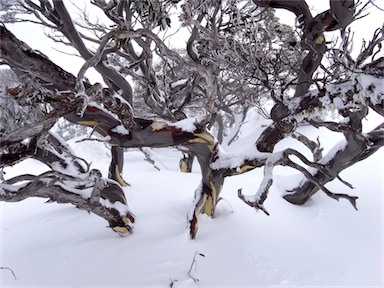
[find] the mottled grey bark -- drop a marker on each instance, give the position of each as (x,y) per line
(357,147)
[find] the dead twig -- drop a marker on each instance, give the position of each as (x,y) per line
(7,268)
(148,158)
(172,284)
(194,263)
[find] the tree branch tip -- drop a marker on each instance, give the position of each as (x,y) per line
(123,231)
(353,199)
(254,204)
(262,208)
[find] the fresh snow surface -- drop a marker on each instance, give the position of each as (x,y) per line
(187,124)
(323,243)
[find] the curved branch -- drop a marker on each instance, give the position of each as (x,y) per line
(69,30)
(192,38)
(298,7)
(313,146)
(344,155)
(319,185)
(97,195)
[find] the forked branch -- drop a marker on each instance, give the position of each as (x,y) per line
(282,158)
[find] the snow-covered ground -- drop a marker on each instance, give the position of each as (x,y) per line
(323,243)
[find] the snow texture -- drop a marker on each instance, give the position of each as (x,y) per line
(120,129)
(187,125)
(179,83)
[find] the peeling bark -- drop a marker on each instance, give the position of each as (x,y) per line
(50,185)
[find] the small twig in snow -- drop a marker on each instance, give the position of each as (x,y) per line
(171,285)
(148,158)
(7,268)
(194,263)
(230,206)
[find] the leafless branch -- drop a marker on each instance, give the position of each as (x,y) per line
(313,146)
(9,269)
(375,42)
(194,264)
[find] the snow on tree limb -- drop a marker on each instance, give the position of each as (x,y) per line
(89,192)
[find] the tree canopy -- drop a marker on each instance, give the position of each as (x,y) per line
(237,57)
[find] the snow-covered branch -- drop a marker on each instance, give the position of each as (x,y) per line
(88,191)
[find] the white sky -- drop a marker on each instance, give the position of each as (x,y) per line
(33,35)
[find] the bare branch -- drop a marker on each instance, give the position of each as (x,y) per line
(9,269)
(375,42)
(312,179)
(313,146)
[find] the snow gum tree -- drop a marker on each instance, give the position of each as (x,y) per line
(237,56)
